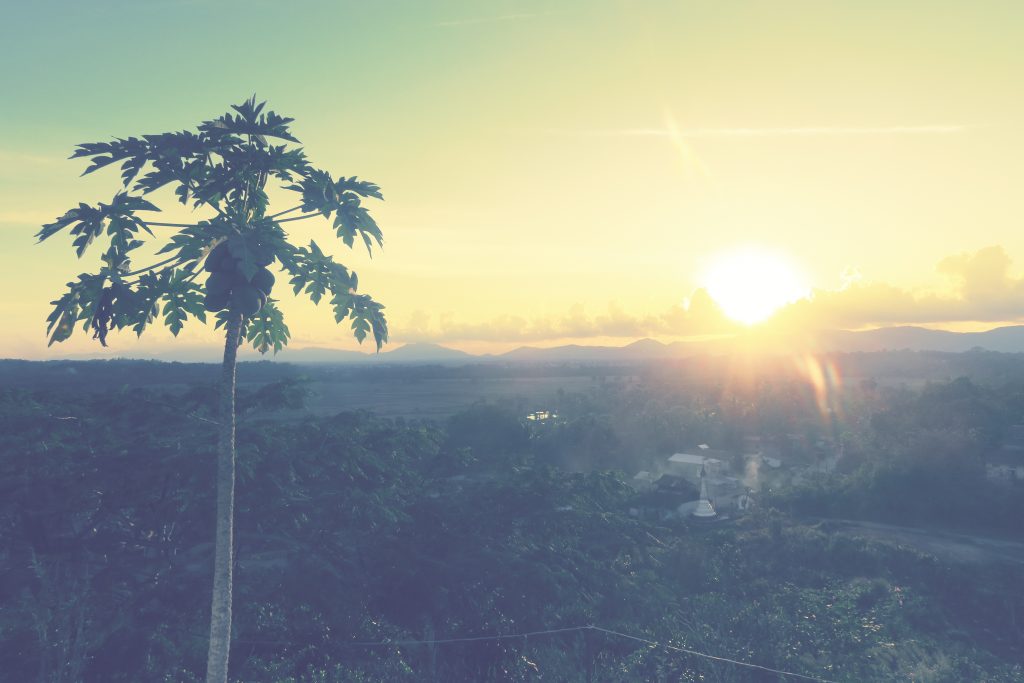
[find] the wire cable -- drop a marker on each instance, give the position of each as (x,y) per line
(568,629)
(707,656)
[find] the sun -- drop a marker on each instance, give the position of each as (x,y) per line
(751,283)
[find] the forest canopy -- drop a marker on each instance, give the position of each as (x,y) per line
(431,531)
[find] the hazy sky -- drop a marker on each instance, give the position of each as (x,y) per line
(561,170)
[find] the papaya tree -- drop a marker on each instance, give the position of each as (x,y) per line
(219,265)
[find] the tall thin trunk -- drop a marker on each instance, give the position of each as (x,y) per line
(220,616)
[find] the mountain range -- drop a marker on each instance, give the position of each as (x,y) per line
(1008,339)
(1003,339)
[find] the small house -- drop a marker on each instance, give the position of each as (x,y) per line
(689,465)
(643,481)
(664,499)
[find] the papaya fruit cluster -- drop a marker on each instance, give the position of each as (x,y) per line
(227,286)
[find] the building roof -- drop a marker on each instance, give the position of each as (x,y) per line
(690,459)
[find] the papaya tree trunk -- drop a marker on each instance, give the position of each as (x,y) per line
(223,560)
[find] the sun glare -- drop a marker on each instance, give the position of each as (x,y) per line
(751,284)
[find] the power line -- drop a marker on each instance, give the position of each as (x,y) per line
(719,659)
(568,629)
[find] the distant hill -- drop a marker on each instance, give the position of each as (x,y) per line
(409,353)
(644,349)
(314,355)
(1005,339)
(1009,339)
(426,353)
(563,354)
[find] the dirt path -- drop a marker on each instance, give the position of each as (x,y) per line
(946,546)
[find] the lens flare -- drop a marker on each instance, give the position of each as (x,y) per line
(826,382)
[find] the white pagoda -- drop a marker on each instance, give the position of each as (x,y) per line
(704,509)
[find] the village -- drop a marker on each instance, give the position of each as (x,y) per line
(708,484)
(705,484)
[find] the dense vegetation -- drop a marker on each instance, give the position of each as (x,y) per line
(354,529)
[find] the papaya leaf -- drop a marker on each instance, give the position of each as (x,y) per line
(223,166)
(182,298)
(267,330)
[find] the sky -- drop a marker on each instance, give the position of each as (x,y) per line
(562,171)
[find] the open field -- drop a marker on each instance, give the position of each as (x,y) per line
(436,398)
(947,546)
(412,392)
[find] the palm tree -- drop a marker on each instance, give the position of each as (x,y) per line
(218,264)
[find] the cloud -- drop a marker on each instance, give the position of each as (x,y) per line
(799,131)
(13,157)
(983,291)
(492,20)
(29,218)
(699,315)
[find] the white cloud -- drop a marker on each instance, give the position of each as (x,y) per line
(31,218)
(983,291)
(700,316)
(799,131)
(13,157)
(491,20)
